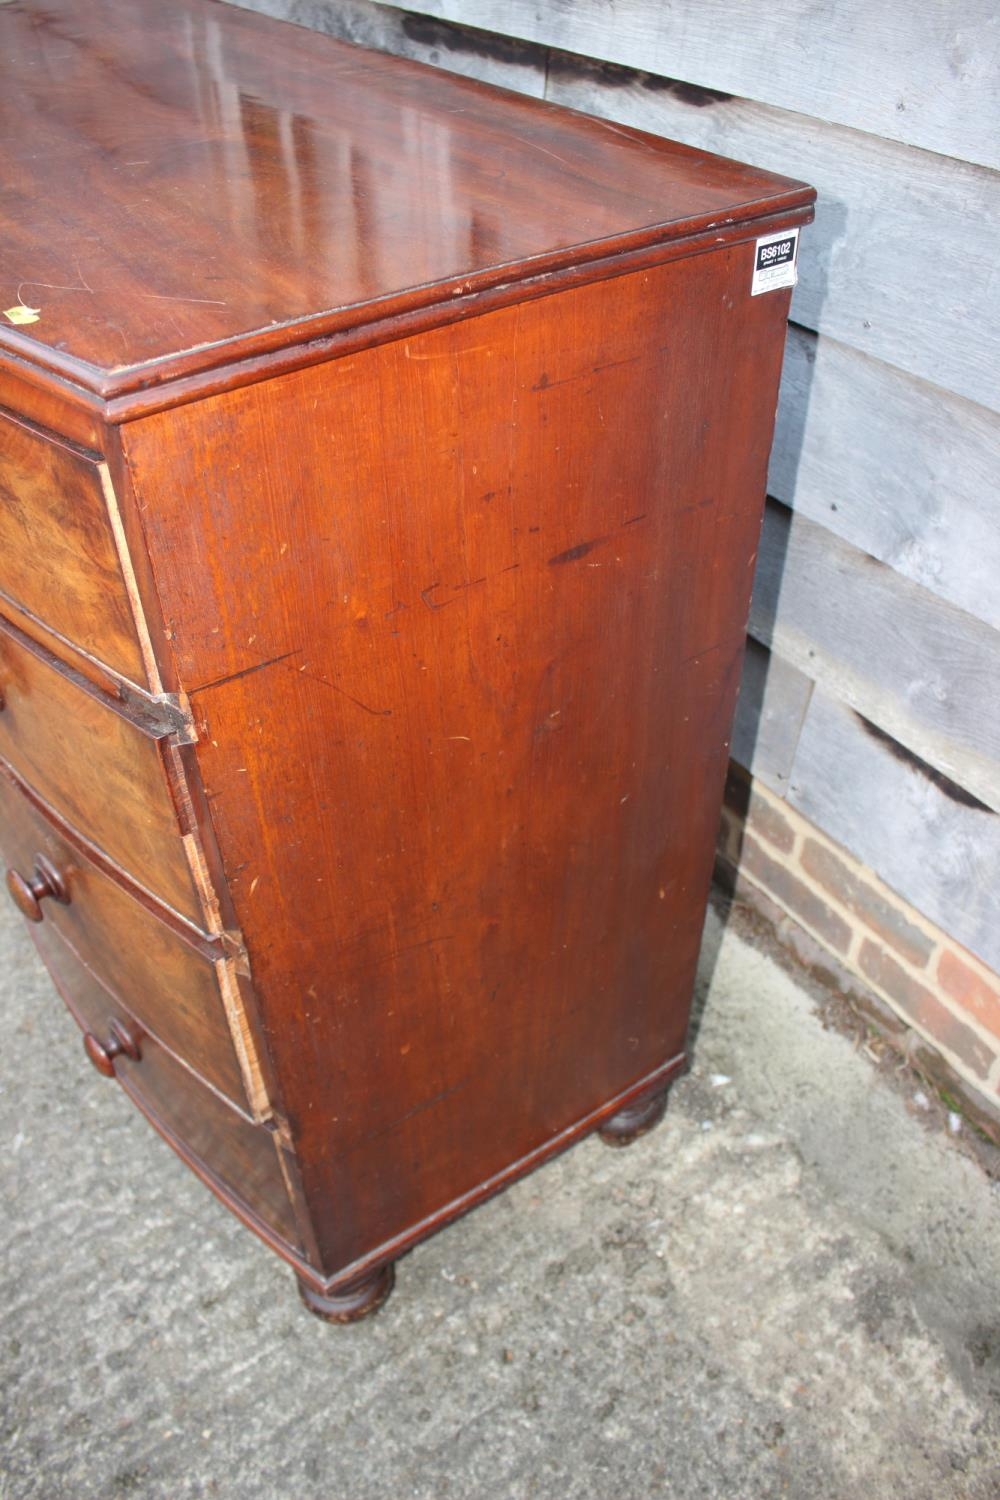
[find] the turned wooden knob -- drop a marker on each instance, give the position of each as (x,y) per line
(120,1043)
(28,895)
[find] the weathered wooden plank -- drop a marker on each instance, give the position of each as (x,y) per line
(922,835)
(921,74)
(920,669)
(876,270)
(507,62)
(894,466)
(773,699)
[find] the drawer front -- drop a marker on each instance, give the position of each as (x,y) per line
(58,557)
(238,1155)
(171,988)
(100,771)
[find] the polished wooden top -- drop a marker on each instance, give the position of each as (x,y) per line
(188,183)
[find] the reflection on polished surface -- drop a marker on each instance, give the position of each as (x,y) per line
(222,182)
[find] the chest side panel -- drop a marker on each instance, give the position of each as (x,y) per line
(461,619)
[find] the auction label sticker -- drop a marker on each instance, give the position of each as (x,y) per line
(774,261)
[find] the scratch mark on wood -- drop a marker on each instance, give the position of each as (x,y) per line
(417,1109)
(201,301)
(378,713)
(55,286)
(534,146)
(543,383)
(246,672)
(446,353)
(425,593)
(389,958)
(435,1099)
(613,364)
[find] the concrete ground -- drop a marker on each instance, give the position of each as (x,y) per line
(791,1289)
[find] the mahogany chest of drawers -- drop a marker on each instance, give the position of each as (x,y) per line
(381,469)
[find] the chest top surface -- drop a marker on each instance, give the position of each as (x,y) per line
(190,178)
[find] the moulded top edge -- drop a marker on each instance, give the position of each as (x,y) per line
(219,186)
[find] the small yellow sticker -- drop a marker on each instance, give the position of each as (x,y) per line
(20,314)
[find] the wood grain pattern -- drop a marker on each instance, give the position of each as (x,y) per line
(54,525)
(68,413)
(236,1159)
(276,204)
(894,466)
(465,829)
(921,834)
(864,270)
(918,74)
(102,771)
(909,662)
(170,987)
(55,645)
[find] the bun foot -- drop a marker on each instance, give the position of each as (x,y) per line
(354,1300)
(633,1121)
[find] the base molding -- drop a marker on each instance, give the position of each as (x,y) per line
(639,1092)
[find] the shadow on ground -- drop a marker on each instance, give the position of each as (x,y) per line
(790,1289)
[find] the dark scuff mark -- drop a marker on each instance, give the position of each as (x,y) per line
(951,789)
(574,65)
(573,554)
(610,75)
(544,383)
(427,31)
(687,93)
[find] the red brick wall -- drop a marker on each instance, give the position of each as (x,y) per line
(939,1004)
